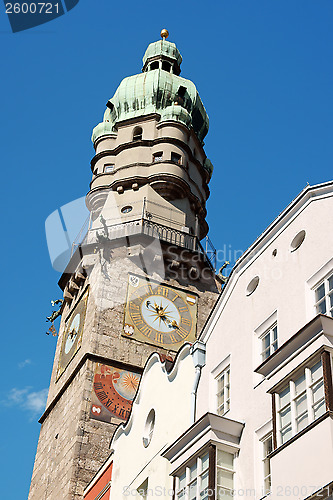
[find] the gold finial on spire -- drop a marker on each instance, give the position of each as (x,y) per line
(164,34)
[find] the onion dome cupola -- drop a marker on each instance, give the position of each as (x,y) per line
(158,89)
(150,143)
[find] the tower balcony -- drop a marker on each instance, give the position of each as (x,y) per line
(149,219)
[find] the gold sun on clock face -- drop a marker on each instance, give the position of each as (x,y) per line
(158,314)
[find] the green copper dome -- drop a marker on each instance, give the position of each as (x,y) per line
(162,48)
(158,90)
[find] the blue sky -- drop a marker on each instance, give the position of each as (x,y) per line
(263,69)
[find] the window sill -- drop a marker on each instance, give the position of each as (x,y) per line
(224,414)
(266,496)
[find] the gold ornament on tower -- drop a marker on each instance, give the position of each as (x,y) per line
(164,33)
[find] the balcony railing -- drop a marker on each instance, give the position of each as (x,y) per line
(149,223)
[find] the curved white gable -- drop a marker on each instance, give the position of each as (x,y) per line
(169,394)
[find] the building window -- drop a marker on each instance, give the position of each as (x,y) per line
(267,445)
(176,158)
(109,167)
(297,241)
(324,297)
(166,66)
(143,490)
(137,134)
(180,96)
(301,402)
(157,156)
(193,483)
(149,428)
(224,474)
(253,285)
(126,209)
(269,342)
(154,65)
(223,391)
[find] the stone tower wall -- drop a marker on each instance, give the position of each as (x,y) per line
(68,462)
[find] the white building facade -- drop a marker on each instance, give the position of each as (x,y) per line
(257,412)
(269,357)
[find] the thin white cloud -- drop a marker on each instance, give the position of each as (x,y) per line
(16,396)
(36,401)
(24,363)
(32,401)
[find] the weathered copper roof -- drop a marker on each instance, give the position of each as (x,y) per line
(156,91)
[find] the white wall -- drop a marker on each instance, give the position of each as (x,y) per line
(170,396)
(283,294)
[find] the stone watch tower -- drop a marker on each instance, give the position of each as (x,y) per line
(139,281)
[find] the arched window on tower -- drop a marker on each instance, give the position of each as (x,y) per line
(166,66)
(154,65)
(137,134)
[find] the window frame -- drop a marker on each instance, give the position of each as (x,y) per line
(295,396)
(270,331)
(176,158)
(259,332)
(137,134)
(225,390)
(325,299)
(184,491)
(142,490)
(266,462)
(183,480)
(158,156)
(169,66)
(225,469)
(108,167)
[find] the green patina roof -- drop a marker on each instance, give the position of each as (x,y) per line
(162,48)
(156,91)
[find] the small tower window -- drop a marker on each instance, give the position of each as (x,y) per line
(176,158)
(154,65)
(110,105)
(166,66)
(137,134)
(180,96)
(158,156)
(127,209)
(109,167)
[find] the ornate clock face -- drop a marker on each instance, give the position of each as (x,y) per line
(159,314)
(72,337)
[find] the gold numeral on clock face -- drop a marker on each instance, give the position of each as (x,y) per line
(146,331)
(182,332)
(186,321)
(158,337)
(173,339)
(182,308)
(136,316)
(163,291)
